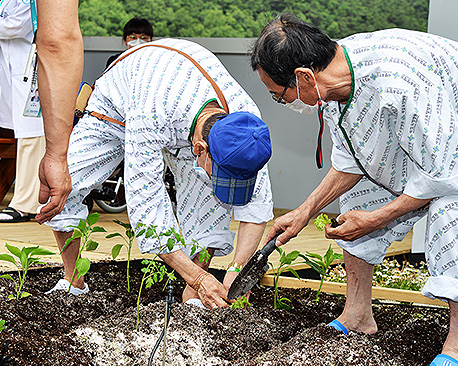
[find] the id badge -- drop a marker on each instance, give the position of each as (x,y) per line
(32,105)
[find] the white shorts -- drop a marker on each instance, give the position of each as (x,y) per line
(441,239)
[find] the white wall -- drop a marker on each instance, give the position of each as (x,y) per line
(443,18)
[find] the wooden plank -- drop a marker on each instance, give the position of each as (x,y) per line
(341,288)
(7,148)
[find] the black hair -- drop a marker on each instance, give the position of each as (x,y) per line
(137,25)
(207,126)
(287,43)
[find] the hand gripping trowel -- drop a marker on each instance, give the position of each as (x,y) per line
(252,272)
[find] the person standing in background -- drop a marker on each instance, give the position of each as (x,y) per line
(16,35)
(136,31)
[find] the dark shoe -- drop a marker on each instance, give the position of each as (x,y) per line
(13,216)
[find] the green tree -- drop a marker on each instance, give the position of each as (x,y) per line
(102,17)
(239,18)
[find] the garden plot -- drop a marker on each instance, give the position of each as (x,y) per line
(99,328)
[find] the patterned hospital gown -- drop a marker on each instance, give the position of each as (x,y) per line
(159,93)
(399,130)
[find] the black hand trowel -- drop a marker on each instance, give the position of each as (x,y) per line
(252,272)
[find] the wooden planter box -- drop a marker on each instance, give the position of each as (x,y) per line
(341,288)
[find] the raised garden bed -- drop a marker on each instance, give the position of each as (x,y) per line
(99,328)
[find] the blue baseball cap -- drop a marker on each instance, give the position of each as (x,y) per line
(240,146)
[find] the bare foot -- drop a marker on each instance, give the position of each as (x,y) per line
(365,325)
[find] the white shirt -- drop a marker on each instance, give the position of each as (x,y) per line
(16,36)
(159,94)
(399,125)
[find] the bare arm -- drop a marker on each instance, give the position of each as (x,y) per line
(60,65)
(331,187)
(211,292)
(249,236)
(355,224)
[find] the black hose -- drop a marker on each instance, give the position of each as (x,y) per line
(4,358)
(169,300)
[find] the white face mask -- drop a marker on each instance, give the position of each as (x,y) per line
(299,106)
(201,172)
(135,42)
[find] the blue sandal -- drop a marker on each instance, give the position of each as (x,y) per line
(339,326)
(444,360)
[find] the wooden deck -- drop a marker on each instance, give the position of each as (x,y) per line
(31,233)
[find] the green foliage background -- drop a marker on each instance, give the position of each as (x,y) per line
(246,18)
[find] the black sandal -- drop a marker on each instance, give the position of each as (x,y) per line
(16,216)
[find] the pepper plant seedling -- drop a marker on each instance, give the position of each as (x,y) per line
(84,230)
(286,260)
(155,271)
(128,239)
(240,303)
(321,264)
(27,257)
(2,324)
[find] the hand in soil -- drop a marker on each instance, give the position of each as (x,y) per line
(212,293)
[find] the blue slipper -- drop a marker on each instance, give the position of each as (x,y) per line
(444,360)
(338,325)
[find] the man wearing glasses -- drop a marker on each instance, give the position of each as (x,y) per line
(390,99)
(171,111)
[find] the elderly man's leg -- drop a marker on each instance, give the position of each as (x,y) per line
(95,150)
(69,257)
(451,343)
(357,314)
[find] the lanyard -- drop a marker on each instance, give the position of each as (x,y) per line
(33,10)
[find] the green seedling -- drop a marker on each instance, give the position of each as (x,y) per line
(84,230)
(2,324)
(240,303)
(26,257)
(286,260)
(321,264)
(155,271)
(322,220)
(128,241)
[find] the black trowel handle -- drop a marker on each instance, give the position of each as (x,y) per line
(270,246)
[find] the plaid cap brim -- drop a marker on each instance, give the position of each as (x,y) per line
(235,192)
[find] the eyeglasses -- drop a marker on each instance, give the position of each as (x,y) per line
(280,98)
(133,37)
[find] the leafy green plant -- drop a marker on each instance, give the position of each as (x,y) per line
(240,303)
(26,257)
(155,271)
(321,264)
(2,324)
(84,230)
(286,260)
(128,239)
(322,220)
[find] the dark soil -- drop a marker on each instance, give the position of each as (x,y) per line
(99,328)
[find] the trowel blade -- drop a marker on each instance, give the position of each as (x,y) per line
(249,276)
